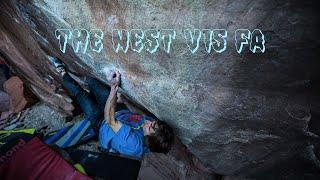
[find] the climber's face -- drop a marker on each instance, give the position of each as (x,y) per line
(149,127)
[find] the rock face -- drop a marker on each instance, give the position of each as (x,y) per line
(240,114)
(20,97)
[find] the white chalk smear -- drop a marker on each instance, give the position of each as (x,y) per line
(111,21)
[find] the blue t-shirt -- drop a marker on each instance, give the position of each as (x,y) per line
(129,140)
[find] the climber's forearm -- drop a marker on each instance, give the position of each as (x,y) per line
(109,113)
(109,110)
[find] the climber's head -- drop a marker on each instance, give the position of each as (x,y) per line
(158,136)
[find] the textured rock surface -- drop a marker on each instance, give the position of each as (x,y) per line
(4,73)
(240,114)
(20,97)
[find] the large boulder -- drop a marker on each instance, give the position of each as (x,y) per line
(240,114)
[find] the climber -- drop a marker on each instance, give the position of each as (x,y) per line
(122,130)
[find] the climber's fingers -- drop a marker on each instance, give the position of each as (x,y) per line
(117,77)
(114,78)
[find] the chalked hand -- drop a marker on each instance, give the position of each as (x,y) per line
(114,78)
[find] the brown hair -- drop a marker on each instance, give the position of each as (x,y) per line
(160,141)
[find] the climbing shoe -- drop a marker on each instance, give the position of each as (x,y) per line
(59,66)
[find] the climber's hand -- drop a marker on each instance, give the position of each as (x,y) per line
(114,78)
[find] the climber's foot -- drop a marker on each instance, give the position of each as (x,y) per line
(59,66)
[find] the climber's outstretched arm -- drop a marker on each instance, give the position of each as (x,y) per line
(111,103)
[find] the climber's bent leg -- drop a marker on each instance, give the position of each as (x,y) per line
(80,131)
(99,90)
(88,106)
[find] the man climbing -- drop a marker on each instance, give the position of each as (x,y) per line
(124,131)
